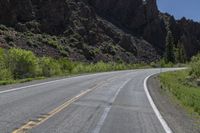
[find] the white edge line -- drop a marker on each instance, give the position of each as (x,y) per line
(34,85)
(44,83)
(48,82)
(155,109)
(53,81)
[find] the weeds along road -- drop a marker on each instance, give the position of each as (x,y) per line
(111,102)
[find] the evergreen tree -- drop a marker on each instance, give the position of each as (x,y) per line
(169,50)
(180,53)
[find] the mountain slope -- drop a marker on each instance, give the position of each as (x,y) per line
(92,30)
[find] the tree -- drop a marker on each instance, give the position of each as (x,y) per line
(22,63)
(180,53)
(169,50)
(5,73)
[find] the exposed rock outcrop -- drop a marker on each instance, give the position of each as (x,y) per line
(142,18)
(93,30)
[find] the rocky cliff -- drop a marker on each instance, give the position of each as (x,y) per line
(93,30)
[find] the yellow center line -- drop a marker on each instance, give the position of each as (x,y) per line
(33,123)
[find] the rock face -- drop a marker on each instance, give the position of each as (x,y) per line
(132,14)
(135,16)
(142,18)
(93,30)
(50,16)
(189,33)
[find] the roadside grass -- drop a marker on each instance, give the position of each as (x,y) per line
(11,81)
(181,89)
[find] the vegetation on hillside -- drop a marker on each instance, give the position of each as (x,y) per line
(195,67)
(22,65)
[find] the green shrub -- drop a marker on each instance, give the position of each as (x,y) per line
(87,68)
(5,73)
(3,27)
(50,41)
(49,67)
(1,58)
(195,66)
(9,38)
(66,65)
(22,63)
(79,68)
(100,67)
(161,63)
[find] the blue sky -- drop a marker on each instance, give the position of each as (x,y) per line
(179,8)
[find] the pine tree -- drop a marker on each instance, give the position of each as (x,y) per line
(180,53)
(169,50)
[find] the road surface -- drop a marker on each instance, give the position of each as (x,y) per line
(112,102)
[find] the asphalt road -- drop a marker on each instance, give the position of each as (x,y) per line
(113,102)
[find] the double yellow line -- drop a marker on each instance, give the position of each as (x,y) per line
(33,123)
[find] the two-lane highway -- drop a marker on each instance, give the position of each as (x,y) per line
(112,102)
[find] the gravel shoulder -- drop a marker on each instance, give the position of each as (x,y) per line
(177,117)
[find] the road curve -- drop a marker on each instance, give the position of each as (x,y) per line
(111,102)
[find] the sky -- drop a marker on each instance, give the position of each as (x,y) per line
(181,8)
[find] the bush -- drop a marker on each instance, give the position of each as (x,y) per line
(3,27)
(66,65)
(80,68)
(1,58)
(49,67)
(161,63)
(195,66)
(9,38)
(22,63)
(5,74)
(88,68)
(101,67)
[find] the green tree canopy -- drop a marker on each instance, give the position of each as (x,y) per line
(169,49)
(180,53)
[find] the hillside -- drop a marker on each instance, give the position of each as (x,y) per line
(92,30)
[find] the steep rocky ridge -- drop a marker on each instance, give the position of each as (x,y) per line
(186,31)
(76,29)
(142,18)
(135,16)
(93,30)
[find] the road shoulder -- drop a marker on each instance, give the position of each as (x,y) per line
(178,119)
